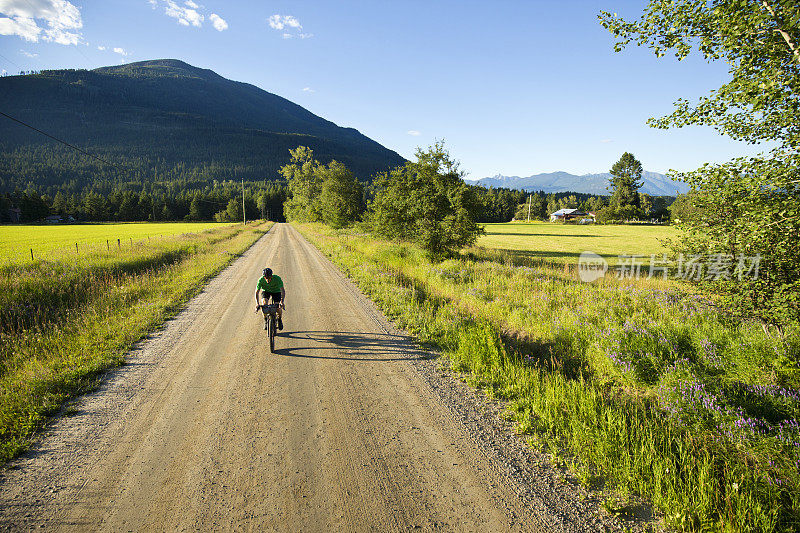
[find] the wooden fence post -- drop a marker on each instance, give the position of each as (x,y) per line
(31,254)
(108,246)
(76,248)
(118,244)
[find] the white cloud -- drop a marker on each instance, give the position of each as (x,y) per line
(186,16)
(189,13)
(308,90)
(218,22)
(117,50)
(61,21)
(279,22)
(414,133)
(28,54)
(606,141)
(289,25)
(24,27)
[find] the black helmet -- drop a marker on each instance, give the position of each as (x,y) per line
(267,272)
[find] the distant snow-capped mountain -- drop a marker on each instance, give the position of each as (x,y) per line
(655,184)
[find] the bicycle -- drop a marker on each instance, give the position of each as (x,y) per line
(271,317)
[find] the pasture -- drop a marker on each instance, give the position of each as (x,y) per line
(563,243)
(16,242)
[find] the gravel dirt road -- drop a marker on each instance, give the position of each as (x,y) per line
(204,429)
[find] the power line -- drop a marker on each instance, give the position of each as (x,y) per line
(7,59)
(62,142)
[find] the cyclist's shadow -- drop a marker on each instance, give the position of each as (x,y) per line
(351,346)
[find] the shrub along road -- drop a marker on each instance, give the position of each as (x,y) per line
(204,429)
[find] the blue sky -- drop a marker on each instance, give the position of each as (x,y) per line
(515,87)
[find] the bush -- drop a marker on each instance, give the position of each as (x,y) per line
(426,202)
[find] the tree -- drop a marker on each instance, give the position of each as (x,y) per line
(32,206)
(607,215)
(426,202)
(568,202)
(538,207)
(646,205)
(535,207)
(196,211)
(96,206)
(60,204)
(552,204)
(129,207)
(146,207)
(321,193)
(683,209)
(234,210)
(305,185)
(5,206)
(594,204)
(262,203)
(232,213)
(625,181)
(341,195)
(661,207)
(748,207)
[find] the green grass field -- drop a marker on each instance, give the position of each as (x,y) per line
(16,242)
(563,243)
(64,320)
(639,387)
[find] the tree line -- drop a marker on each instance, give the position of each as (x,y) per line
(314,191)
(193,197)
(426,200)
(221,201)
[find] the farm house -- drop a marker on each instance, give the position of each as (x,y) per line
(567,214)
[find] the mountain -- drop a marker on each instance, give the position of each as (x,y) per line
(163,120)
(655,184)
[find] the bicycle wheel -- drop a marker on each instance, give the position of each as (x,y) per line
(272,331)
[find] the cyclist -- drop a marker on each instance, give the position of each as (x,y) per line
(272,287)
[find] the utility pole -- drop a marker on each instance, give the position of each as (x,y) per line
(530,197)
(244,216)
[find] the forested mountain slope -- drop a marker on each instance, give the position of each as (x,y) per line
(161,121)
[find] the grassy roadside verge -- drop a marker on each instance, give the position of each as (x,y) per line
(63,323)
(637,386)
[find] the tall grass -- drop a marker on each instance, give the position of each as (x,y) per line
(64,322)
(639,385)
